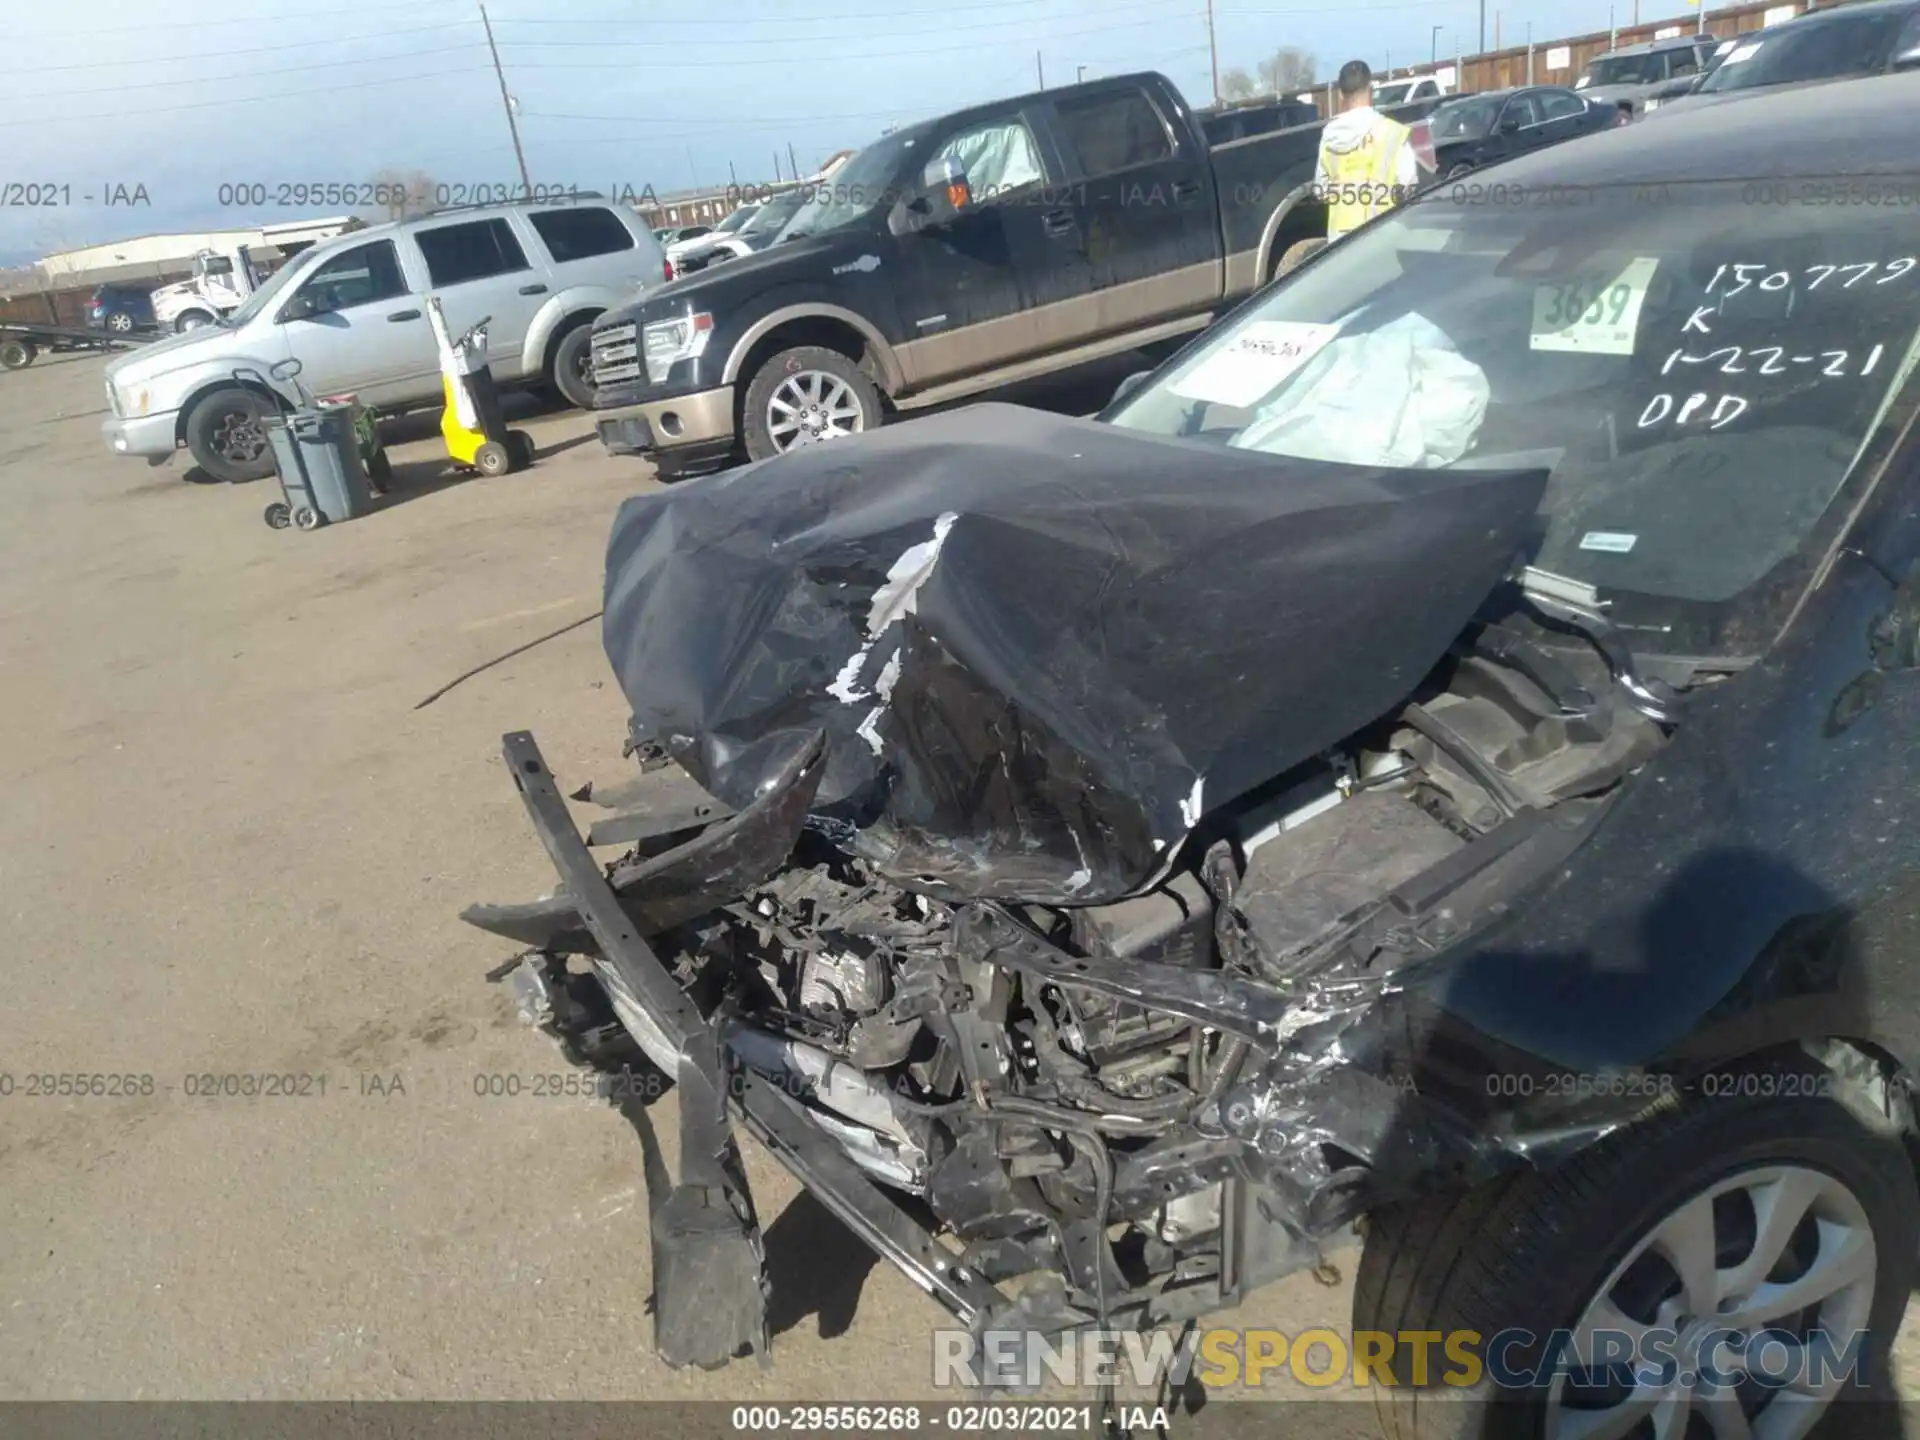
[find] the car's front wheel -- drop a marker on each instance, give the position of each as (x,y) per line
(572,370)
(805,395)
(193,320)
(225,436)
(120,323)
(1725,1269)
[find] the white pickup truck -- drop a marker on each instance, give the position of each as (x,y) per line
(222,280)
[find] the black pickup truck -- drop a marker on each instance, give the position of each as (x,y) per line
(954,256)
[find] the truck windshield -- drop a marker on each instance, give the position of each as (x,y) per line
(1394,94)
(1700,378)
(855,188)
(1833,45)
(1641,69)
(268,293)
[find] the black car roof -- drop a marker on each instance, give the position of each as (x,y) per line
(1853,127)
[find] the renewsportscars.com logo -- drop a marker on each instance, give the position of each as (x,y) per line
(1702,1354)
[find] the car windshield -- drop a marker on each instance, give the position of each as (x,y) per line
(1642,69)
(1698,375)
(1820,50)
(771,218)
(1465,119)
(268,293)
(734,221)
(855,189)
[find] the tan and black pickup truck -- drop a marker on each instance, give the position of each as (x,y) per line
(954,256)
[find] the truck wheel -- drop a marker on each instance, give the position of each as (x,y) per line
(120,323)
(192,320)
(225,437)
(806,395)
(1298,252)
(17,354)
(1694,1264)
(572,370)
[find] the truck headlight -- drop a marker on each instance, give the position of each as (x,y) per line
(1651,105)
(667,341)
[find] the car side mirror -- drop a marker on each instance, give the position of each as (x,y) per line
(300,307)
(1510,124)
(1907,59)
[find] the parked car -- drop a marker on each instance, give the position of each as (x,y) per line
(122,309)
(352,312)
(756,232)
(1643,77)
(1476,130)
(1430,754)
(1224,125)
(1846,42)
(1389,93)
(671,235)
(997,243)
(679,251)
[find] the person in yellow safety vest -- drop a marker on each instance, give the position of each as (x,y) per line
(1367,163)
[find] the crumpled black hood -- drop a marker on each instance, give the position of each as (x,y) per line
(1041,647)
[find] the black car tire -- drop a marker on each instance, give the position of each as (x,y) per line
(192,320)
(761,443)
(211,442)
(1530,1251)
(570,357)
(17,354)
(1463,168)
(1298,252)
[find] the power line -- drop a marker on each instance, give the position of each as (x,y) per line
(1159,5)
(231,19)
(147,62)
(857,56)
(241,99)
(250,74)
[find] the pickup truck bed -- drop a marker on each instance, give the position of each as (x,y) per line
(1096,219)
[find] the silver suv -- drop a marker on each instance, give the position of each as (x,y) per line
(353,312)
(1642,77)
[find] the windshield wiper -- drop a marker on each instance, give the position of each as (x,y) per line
(1577,604)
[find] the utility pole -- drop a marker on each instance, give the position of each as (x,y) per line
(1483,27)
(776,166)
(1039,70)
(1079,73)
(1213,53)
(1496,30)
(1529,52)
(506,100)
(1433,47)
(793,164)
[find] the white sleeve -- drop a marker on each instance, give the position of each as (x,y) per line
(1406,165)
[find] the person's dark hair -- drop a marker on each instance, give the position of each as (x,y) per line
(1356,78)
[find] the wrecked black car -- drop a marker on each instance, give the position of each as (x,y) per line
(1436,756)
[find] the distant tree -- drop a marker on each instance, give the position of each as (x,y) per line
(1236,84)
(402,194)
(1290,69)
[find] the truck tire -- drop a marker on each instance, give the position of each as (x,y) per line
(1297,253)
(1743,1195)
(193,320)
(806,395)
(17,354)
(572,371)
(225,438)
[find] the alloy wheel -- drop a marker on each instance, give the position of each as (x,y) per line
(120,322)
(1746,1287)
(810,406)
(238,437)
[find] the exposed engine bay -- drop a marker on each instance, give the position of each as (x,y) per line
(1152,1105)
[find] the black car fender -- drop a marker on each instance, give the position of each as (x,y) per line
(791,306)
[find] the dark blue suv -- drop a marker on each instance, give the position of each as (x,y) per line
(121,309)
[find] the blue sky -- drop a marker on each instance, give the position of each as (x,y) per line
(183,96)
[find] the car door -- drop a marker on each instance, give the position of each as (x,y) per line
(356,324)
(482,270)
(1564,115)
(1144,196)
(984,288)
(1519,128)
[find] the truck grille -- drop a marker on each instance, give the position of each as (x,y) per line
(616,354)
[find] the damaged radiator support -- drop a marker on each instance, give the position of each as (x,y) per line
(710,1299)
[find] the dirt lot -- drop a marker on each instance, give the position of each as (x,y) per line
(232,846)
